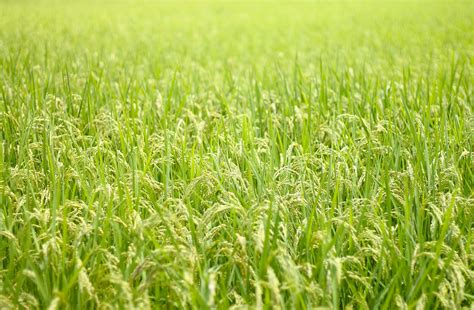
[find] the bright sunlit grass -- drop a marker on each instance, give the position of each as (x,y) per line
(216,154)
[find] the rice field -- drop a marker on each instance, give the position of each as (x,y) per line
(236,154)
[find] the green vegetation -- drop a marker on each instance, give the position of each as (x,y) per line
(217,154)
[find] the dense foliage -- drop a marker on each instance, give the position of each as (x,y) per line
(216,154)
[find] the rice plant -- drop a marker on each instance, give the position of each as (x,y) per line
(227,154)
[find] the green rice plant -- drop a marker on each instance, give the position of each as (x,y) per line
(227,154)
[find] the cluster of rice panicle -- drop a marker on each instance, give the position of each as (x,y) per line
(239,155)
